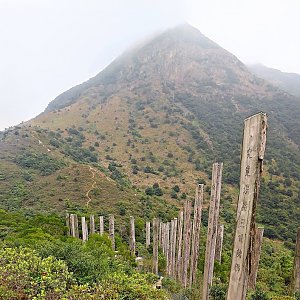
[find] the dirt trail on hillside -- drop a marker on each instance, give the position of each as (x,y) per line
(92,187)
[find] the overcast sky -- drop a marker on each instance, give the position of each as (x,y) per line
(48,46)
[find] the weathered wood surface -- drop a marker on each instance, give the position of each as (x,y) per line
(219,243)
(76,226)
(92,224)
(179,246)
(186,242)
(297,263)
(148,234)
(196,232)
(101,225)
(213,219)
(155,246)
(254,143)
(112,231)
(173,253)
(132,236)
(167,246)
(84,229)
(72,225)
(68,224)
(255,256)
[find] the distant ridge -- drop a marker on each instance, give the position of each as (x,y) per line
(289,82)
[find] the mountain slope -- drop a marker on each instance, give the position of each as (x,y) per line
(289,82)
(161,113)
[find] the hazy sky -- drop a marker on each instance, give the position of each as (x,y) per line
(48,46)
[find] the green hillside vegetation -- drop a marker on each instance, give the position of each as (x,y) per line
(39,260)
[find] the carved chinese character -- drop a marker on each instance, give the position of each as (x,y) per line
(242,223)
(245,205)
(237,268)
(239,253)
(248,170)
(240,237)
(246,189)
(249,151)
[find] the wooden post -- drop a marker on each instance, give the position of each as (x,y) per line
(163,238)
(173,253)
(297,263)
(254,143)
(219,243)
(132,236)
(68,224)
(213,219)
(92,224)
(155,246)
(112,231)
(186,242)
(167,246)
(179,246)
(101,225)
(76,226)
(160,233)
(148,234)
(84,229)
(196,232)
(255,256)
(72,225)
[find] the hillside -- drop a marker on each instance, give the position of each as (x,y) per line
(151,124)
(289,82)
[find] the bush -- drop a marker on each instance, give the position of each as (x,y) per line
(218,292)
(23,273)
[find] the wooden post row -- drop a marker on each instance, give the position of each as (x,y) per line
(214,208)
(196,232)
(254,143)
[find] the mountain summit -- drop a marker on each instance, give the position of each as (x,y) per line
(182,58)
(156,119)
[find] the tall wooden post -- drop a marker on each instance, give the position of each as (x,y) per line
(173,253)
(219,243)
(254,143)
(76,226)
(148,234)
(255,256)
(72,225)
(297,263)
(160,235)
(101,225)
(167,246)
(84,229)
(155,246)
(92,224)
(214,208)
(68,224)
(132,236)
(112,231)
(196,232)
(179,246)
(186,242)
